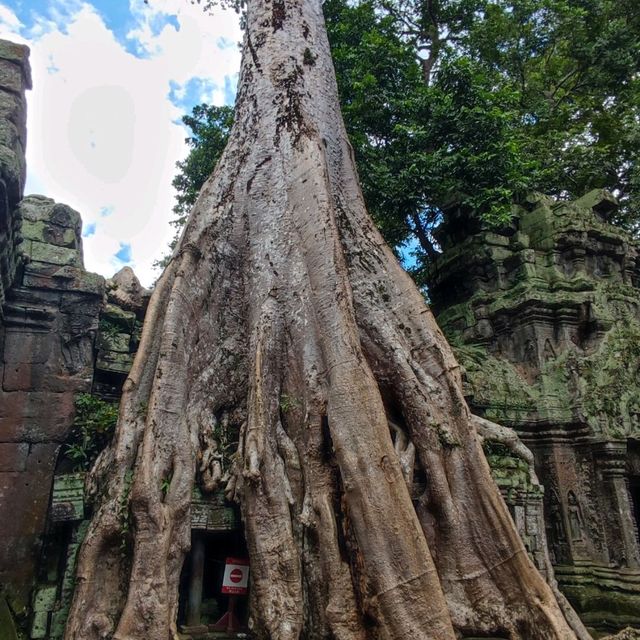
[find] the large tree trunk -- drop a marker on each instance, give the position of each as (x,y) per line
(285,316)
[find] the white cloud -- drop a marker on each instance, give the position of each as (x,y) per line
(102,130)
(9,20)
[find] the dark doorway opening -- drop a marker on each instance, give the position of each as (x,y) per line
(202,602)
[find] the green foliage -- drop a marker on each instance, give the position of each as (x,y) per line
(471,103)
(210,127)
(93,426)
(479,101)
(165,483)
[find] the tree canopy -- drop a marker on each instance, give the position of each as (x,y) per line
(209,126)
(473,103)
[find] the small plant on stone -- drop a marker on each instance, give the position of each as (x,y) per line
(93,426)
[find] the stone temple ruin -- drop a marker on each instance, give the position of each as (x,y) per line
(544,316)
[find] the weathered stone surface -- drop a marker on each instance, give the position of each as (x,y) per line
(45,598)
(9,135)
(50,324)
(19,55)
(15,77)
(545,319)
(40,625)
(25,376)
(213,513)
(59,617)
(118,316)
(114,361)
(68,497)
(49,233)
(13,456)
(26,346)
(12,108)
(118,342)
(11,76)
(36,208)
(12,170)
(51,254)
(24,499)
(39,275)
(35,416)
(124,290)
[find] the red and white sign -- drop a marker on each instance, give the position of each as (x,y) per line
(236,576)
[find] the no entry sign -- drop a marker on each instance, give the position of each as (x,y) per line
(236,576)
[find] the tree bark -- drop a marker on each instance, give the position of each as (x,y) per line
(284,316)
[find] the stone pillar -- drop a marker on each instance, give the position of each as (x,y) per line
(194,603)
(611,458)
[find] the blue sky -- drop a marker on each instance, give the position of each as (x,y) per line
(111,81)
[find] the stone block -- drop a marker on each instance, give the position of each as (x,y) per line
(35,416)
(12,169)
(28,347)
(116,315)
(50,376)
(40,231)
(45,598)
(36,208)
(25,297)
(13,108)
(52,254)
(118,342)
(18,54)
(64,216)
(600,201)
(58,623)
(13,456)
(125,291)
(53,277)
(212,513)
(40,625)
(67,502)
(114,362)
(10,136)
(11,76)
(76,304)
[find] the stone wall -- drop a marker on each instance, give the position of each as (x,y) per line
(65,332)
(118,323)
(47,348)
(545,318)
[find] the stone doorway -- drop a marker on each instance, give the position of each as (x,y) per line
(201,602)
